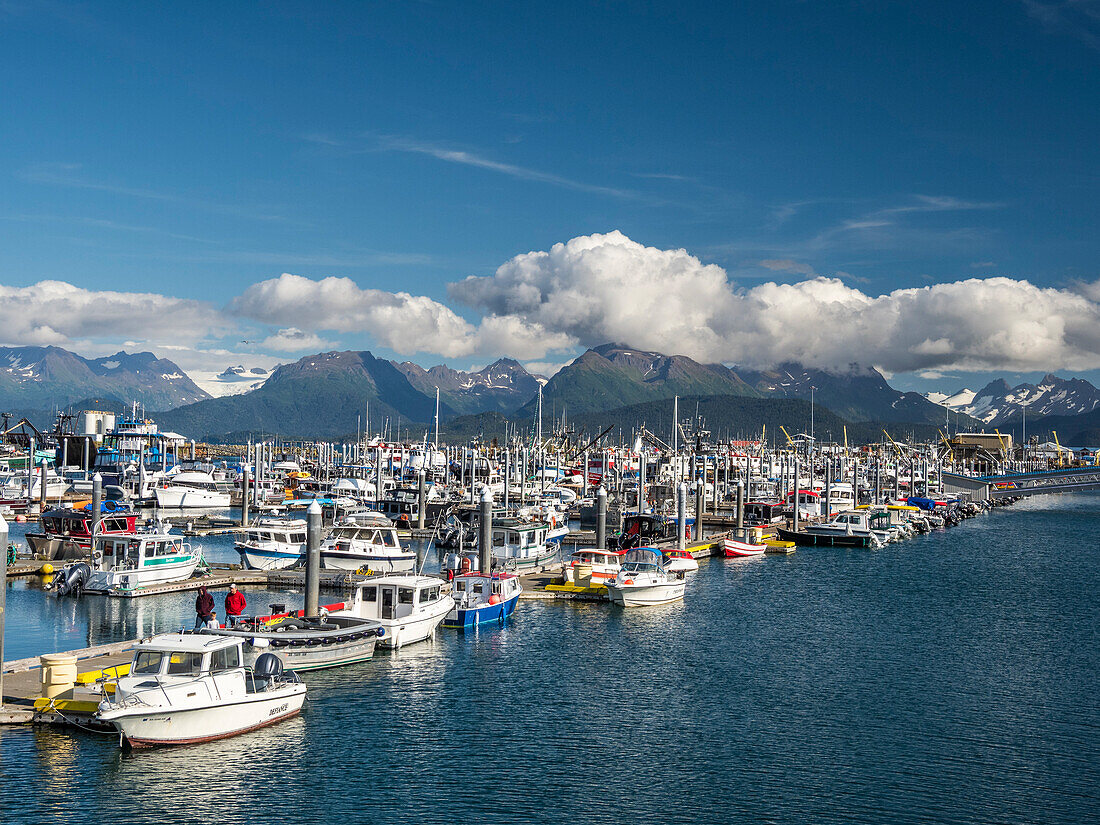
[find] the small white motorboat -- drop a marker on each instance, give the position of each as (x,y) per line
(127,561)
(272,544)
(189,688)
(408,607)
(192,489)
(369,542)
(736,548)
(645,580)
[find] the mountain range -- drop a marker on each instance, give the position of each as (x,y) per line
(502,386)
(331,394)
(997,403)
(47,377)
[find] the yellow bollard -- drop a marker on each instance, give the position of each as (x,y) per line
(58,674)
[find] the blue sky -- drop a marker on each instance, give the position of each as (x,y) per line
(194,150)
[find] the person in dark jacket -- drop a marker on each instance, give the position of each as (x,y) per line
(234,605)
(204,608)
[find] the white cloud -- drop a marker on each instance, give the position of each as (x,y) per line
(56,312)
(601,288)
(293,339)
(400,321)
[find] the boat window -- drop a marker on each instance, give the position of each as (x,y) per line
(184,664)
(389,538)
(228,658)
(478,587)
(460,586)
(115,525)
(298,538)
(513,538)
(498,539)
(404,595)
(147,661)
(370,594)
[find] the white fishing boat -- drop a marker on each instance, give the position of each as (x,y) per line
(272,544)
(128,561)
(369,542)
(192,489)
(188,688)
(645,580)
(408,607)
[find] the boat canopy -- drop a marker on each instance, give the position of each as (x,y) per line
(644,555)
(922,503)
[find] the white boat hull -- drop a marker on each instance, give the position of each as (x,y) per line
(646,594)
(258,558)
(104,581)
(378,564)
(415,628)
(179,498)
(185,726)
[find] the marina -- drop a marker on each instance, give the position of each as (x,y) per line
(607,414)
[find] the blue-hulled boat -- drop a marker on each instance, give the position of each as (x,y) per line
(482,599)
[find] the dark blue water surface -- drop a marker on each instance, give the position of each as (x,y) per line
(950,678)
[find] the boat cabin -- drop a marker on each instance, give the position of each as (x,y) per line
(186,655)
(389,598)
(77,523)
(759,513)
(518,535)
(133,551)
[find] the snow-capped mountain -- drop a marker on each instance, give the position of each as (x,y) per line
(997,402)
(44,377)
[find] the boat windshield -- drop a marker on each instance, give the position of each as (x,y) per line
(147,661)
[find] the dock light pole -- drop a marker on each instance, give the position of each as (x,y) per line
(485,539)
(681,515)
(601,518)
(3,599)
(313,559)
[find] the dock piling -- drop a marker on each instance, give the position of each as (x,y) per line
(601,518)
(485,540)
(681,515)
(313,559)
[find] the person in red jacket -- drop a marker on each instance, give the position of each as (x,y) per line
(234,605)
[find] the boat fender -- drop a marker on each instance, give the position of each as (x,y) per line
(381,632)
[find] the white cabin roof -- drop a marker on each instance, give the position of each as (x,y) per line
(188,642)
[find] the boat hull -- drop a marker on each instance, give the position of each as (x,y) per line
(823,539)
(115,580)
(467,618)
(645,595)
(527,564)
(378,564)
(178,726)
(181,499)
(742,549)
(256,558)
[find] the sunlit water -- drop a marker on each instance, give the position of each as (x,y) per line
(951,678)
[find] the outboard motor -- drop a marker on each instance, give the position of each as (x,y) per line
(268,666)
(72,579)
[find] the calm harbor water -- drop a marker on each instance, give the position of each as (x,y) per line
(951,678)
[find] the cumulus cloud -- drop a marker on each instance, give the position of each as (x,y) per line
(400,321)
(293,339)
(601,288)
(56,312)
